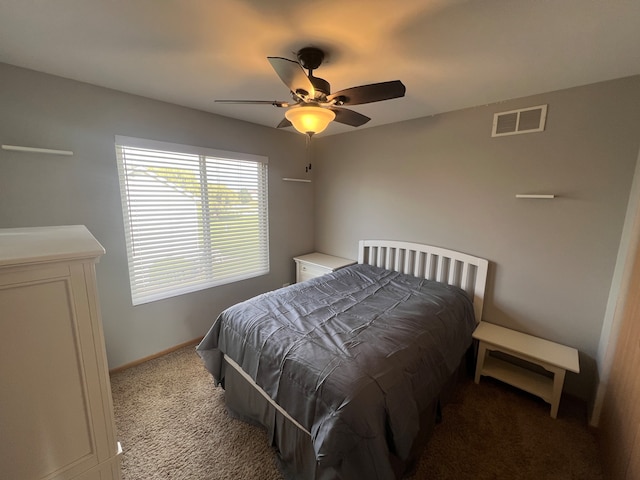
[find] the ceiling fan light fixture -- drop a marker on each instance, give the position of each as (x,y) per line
(314,106)
(310,119)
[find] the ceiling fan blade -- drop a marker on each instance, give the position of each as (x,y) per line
(284,123)
(349,117)
(293,76)
(275,103)
(375,92)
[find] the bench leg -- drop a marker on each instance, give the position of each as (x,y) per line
(482,352)
(558,382)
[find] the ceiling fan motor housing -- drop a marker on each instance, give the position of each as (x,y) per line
(310,57)
(321,86)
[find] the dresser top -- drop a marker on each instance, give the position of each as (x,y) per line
(47,244)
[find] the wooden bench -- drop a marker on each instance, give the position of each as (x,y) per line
(552,357)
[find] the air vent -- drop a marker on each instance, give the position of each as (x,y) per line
(525,120)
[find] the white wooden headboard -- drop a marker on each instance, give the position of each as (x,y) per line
(432,263)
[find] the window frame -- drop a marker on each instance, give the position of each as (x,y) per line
(138,294)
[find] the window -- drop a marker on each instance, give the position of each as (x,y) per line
(194,217)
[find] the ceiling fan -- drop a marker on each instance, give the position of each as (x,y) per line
(313,106)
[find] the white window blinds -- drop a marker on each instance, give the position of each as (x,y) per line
(194,217)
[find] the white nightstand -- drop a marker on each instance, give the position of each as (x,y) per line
(551,356)
(316,264)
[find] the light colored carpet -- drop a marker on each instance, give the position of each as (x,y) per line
(173,424)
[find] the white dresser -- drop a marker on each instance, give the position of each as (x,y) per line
(56,413)
(315,264)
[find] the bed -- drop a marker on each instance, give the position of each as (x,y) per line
(347,370)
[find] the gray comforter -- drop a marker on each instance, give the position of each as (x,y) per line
(353,356)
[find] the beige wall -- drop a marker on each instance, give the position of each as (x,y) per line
(443,180)
(40,110)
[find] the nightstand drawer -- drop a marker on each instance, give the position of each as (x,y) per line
(307,271)
(316,264)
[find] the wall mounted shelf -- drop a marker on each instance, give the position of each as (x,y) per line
(48,151)
(523,195)
(301,180)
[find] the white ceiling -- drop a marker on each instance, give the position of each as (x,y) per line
(450,54)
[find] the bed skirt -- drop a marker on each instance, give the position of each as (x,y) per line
(295,453)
